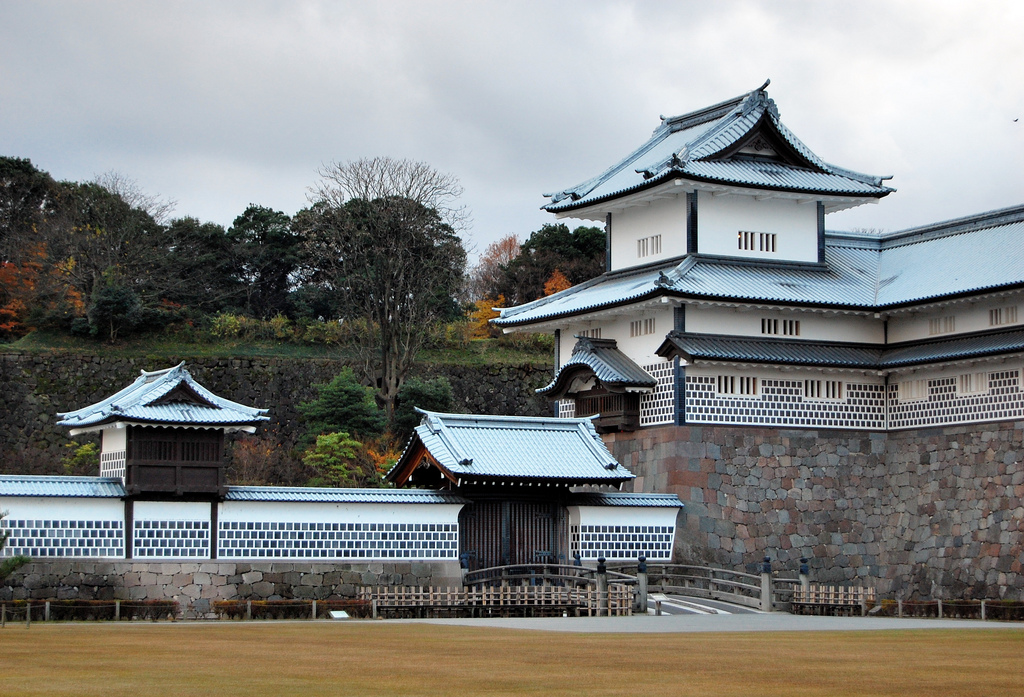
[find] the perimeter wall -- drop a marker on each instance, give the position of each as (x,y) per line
(196,585)
(930,512)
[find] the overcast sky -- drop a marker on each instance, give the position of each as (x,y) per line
(217,105)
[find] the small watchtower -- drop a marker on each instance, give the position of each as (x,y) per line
(163,435)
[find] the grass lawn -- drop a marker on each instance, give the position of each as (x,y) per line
(370,658)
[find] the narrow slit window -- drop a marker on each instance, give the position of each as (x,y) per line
(648,246)
(756,241)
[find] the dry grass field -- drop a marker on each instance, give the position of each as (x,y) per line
(364,658)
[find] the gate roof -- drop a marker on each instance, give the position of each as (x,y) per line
(481,449)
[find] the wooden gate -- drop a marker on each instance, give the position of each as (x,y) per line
(496,533)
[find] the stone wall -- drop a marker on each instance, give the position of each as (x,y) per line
(195,585)
(930,512)
(36,387)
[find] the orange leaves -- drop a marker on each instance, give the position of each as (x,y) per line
(556,283)
(481,316)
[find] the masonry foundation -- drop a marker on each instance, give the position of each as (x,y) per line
(195,585)
(918,513)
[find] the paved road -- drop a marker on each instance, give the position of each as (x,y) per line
(685,605)
(747,622)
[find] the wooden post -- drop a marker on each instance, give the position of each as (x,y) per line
(983,609)
(602,588)
(312,615)
(940,608)
(46,611)
(373,608)
(3,615)
(248,609)
(117,610)
(28,613)
(766,585)
(899,608)
(640,602)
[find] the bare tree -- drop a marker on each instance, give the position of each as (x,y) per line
(373,178)
(128,189)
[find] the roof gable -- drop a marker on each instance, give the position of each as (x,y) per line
(739,132)
(170,396)
(601,360)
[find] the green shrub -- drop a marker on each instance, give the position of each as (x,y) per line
(343,404)
(433,395)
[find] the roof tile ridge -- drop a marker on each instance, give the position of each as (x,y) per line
(710,113)
(585,187)
(954,226)
(541,302)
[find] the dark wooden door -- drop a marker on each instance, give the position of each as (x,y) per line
(496,533)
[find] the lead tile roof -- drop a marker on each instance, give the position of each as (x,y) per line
(140,402)
(602,358)
(700,146)
(621,498)
(838,355)
(548,449)
(318,495)
(81,487)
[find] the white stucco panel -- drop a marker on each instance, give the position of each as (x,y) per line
(721,218)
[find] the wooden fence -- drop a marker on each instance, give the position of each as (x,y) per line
(831,600)
(499,601)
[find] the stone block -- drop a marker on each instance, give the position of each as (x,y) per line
(262,589)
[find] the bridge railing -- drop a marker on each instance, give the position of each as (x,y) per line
(717,583)
(542,574)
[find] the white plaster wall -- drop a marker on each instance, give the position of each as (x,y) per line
(766,373)
(970,317)
(622,515)
(114,439)
(739,322)
(171,510)
(720,218)
(62,508)
(301,512)
(641,349)
(665,217)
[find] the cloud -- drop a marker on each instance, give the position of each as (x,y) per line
(221,104)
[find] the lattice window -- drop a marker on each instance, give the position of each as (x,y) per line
(63,538)
(112,464)
(640,327)
(648,246)
(972,383)
(171,539)
(913,390)
(823,389)
(659,406)
(1001,399)
(594,333)
(566,408)
(786,327)
(942,325)
(756,241)
(622,541)
(1002,315)
(782,403)
(283,540)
